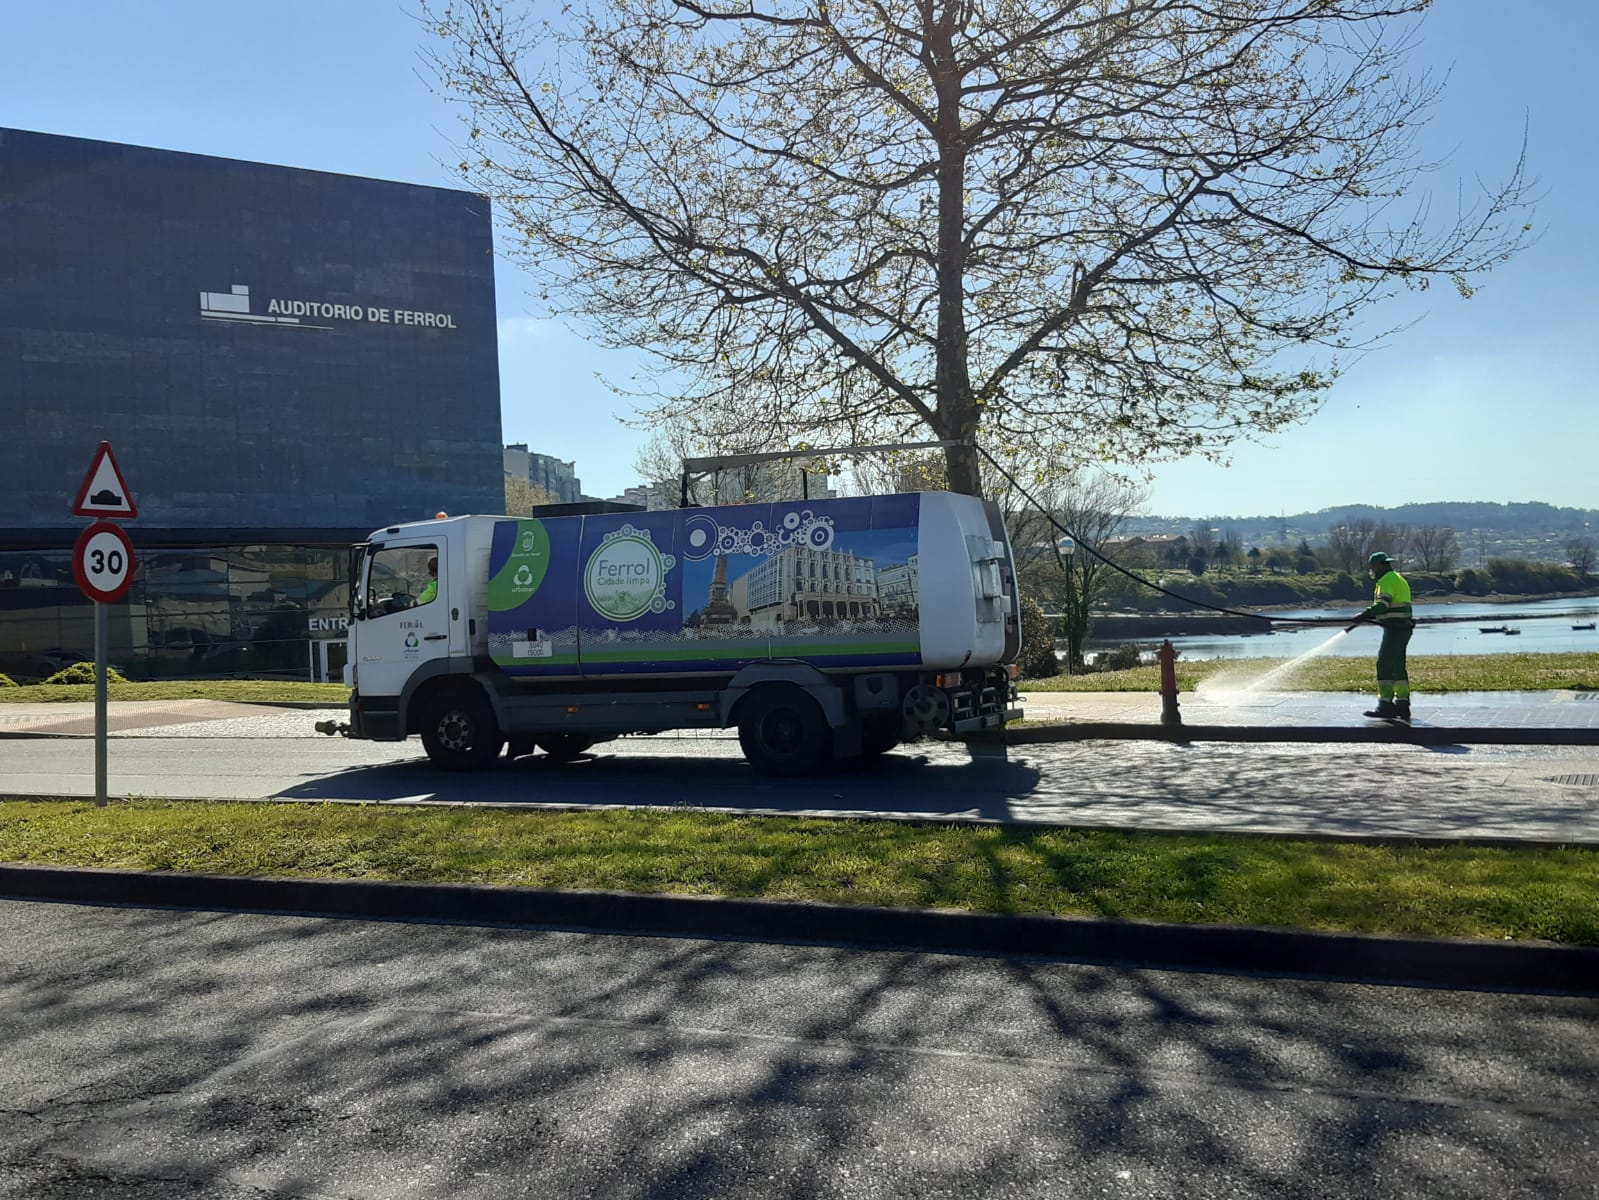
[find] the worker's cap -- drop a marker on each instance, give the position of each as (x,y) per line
(1379,557)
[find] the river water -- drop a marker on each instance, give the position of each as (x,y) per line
(1545,625)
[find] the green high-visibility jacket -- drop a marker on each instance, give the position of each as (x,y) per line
(1390,600)
(431,592)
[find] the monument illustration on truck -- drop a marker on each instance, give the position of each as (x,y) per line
(822,630)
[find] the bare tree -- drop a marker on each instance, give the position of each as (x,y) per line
(1580,553)
(1121,231)
(1434,547)
(1069,570)
(1389,537)
(1349,543)
(522,496)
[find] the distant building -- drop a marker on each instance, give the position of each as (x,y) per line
(284,359)
(644,496)
(554,475)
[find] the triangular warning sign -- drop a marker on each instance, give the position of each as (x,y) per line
(104,492)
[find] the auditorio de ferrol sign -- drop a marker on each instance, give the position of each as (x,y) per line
(235,305)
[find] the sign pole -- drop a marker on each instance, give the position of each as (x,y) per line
(103,563)
(101,630)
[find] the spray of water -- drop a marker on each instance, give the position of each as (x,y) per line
(1240,683)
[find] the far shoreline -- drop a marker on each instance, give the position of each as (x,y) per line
(1427,601)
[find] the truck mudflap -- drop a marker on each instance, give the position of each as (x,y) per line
(993,720)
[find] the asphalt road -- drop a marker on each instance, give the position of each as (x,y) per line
(1535,793)
(201,1054)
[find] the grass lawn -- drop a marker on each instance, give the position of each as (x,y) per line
(1541,893)
(1428,673)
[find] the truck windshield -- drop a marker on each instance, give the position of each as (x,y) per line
(400,578)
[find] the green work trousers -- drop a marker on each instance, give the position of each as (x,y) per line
(1393,678)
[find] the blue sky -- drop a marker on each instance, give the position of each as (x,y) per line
(1491,399)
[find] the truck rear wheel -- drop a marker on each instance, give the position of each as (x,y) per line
(880,734)
(459,731)
(782,731)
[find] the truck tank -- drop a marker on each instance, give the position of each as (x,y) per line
(913,580)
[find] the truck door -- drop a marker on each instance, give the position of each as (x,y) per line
(404,618)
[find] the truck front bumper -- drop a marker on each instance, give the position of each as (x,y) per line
(375,718)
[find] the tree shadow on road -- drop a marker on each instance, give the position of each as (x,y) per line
(199,1053)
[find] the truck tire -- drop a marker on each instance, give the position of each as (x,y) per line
(880,734)
(782,731)
(459,731)
(564,747)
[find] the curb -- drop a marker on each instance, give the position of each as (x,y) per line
(1455,962)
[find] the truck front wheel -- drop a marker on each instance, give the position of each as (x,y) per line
(782,731)
(459,731)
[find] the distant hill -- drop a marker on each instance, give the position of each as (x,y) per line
(1484,530)
(1529,519)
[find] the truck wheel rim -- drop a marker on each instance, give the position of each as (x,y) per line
(455,731)
(782,731)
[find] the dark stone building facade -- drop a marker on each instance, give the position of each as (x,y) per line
(282,359)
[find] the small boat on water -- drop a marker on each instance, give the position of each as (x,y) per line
(1589,625)
(1512,631)
(1493,629)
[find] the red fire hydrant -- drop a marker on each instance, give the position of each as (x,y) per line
(1167,657)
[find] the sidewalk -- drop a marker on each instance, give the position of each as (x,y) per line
(1321,710)
(76,718)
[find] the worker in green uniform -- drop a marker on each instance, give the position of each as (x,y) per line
(1390,608)
(431,592)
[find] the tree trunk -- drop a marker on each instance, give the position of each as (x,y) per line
(954,403)
(962,468)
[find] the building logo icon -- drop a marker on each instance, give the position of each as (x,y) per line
(234,305)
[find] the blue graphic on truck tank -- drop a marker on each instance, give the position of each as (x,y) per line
(833,582)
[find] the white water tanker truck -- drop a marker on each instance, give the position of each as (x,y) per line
(822,630)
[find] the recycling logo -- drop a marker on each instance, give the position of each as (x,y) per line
(412,641)
(527,557)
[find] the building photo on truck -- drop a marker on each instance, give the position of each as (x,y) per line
(824,631)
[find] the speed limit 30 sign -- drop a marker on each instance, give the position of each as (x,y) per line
(103,562)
